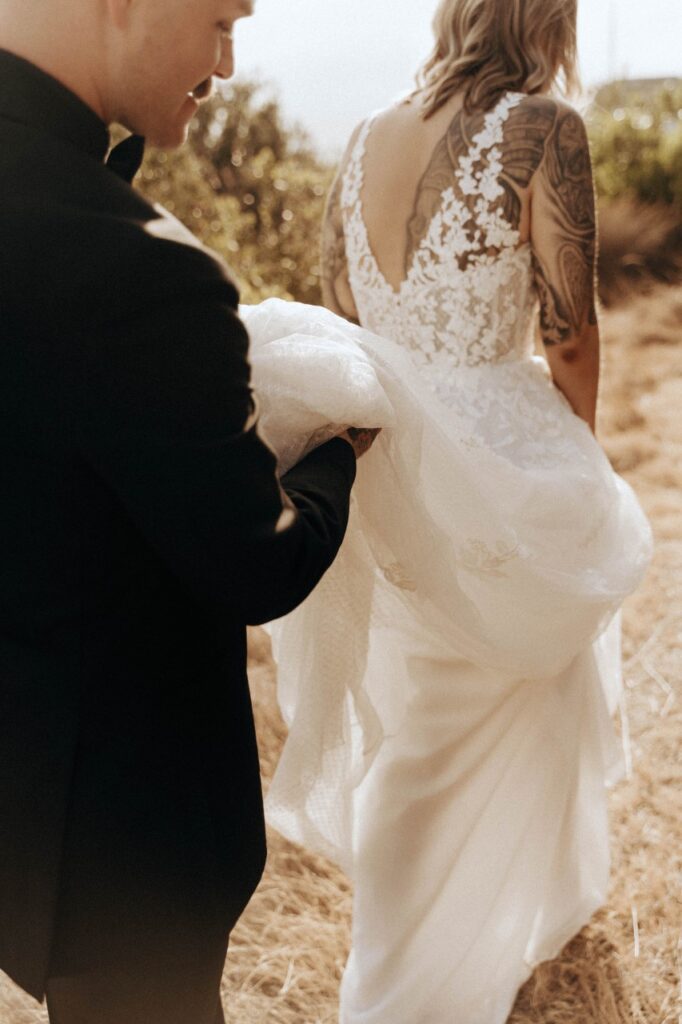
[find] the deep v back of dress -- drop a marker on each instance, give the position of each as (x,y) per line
(467,296)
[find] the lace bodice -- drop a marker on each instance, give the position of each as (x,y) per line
(468,297)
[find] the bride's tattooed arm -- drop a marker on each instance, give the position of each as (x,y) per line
(564,243)
(564,233)
(336,291)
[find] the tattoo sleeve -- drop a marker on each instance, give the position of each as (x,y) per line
(564,233)
(523,148)
(336,291)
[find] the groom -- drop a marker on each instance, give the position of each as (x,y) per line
(142,526)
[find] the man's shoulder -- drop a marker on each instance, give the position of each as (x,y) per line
(45,182)
(72,227)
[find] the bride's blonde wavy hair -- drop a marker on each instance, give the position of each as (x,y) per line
(488,47)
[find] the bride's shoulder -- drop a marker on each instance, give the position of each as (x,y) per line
(397,113)
(355,135)
(545,128)
(543,110)
(380,117)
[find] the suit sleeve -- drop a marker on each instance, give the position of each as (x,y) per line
(171,427)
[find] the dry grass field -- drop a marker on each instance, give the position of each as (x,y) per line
(288,952)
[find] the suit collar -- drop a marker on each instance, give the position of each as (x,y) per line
(32,97)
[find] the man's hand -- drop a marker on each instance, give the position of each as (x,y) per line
(360,439)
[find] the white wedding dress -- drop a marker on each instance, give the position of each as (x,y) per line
(450,684)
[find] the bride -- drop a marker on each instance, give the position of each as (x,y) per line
(450,685)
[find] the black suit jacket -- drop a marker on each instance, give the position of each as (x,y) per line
(141,528)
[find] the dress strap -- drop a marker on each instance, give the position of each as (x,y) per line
(354,175)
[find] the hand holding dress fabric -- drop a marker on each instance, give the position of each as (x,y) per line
(361,439)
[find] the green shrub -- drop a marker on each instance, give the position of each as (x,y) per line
(252,189)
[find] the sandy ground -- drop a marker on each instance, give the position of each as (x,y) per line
(288,952)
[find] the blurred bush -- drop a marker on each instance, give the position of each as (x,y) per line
(640,245)
(637,143)
(636,139)
(251,188)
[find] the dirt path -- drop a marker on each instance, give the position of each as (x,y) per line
(625,968)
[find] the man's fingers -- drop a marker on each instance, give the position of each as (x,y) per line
(361,438)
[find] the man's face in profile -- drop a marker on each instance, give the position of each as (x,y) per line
(169,51)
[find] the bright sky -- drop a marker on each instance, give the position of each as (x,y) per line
(333,61)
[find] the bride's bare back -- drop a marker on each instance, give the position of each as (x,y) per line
(547,198)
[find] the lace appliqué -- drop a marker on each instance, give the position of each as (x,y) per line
(448,316)
(482,560)
(397,575)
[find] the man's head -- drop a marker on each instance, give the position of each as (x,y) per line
(143,63)
(162,56)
